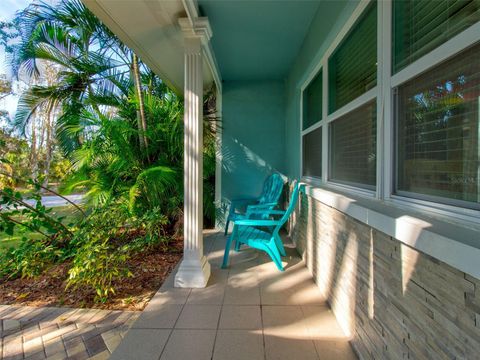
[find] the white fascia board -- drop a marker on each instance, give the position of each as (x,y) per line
(453,241)
(151,29)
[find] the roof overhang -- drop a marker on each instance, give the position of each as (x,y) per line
(151,29)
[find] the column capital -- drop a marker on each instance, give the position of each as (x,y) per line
(198,28)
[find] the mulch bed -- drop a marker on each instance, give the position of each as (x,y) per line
(149,269)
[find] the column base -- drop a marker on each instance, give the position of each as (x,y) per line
(193,273)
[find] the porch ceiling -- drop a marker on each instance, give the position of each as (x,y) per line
(150,28)
(258,39)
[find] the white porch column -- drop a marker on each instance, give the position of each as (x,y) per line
(194,270)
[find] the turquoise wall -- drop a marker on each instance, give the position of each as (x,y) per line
(253,118)
(260,119)
(327,23)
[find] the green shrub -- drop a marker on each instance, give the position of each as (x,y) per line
(149,231)
(30,259)
(100,250)
(35,253)
(97,264)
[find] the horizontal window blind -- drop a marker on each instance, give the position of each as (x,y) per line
(352,67)
(312,153)
(312,102)
(353,147)
(438,131)
(421,26)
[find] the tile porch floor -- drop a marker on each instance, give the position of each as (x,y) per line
(249,311)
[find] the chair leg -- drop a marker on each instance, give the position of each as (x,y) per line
(226,227)
(227,252)
(279,243)
(272,251)
(237,245)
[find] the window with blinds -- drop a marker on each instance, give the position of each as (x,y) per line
(353,147)
(352,68)
(312,102)
(421,26)
(312,153)
(438,130)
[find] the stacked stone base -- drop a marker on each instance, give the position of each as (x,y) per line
(394,301)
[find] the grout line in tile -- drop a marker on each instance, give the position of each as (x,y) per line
(308,331)
(175,324)
(263,331)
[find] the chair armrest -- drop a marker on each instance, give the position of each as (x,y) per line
(273,212)
(236,203)
(261,206)
(243,201)
(252,222)
(264,213)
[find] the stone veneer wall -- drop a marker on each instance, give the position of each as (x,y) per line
(393,301)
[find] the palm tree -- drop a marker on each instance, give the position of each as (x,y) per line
(117,121)
(94,65)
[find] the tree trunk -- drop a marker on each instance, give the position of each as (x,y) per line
(48,147)
(33,152)
(142,122)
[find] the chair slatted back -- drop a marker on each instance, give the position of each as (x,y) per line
(272,189)
(291,206)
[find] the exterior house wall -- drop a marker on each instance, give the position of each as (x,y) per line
(325,26)
(394,301)
(253,137)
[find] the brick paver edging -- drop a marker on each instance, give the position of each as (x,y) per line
(61,333)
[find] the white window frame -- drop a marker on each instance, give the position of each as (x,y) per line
(328,118)
(318,124)
(383,93)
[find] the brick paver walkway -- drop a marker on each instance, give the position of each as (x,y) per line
(61,333)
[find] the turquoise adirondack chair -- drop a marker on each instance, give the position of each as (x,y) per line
(268,200)
(248,232)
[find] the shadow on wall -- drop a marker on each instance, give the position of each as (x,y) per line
(243,174)
(253,136)
(393,301)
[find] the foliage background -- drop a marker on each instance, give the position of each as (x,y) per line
(95,119)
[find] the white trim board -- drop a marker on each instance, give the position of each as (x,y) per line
(192,13)
(456,244)
(440,54)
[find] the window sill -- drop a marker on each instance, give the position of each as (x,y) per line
(453,241)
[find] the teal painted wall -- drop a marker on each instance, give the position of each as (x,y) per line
(253,118)
(260,119)
(327,23)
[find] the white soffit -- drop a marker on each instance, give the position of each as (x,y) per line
(150,28)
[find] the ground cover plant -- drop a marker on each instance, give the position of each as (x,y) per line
(121,130)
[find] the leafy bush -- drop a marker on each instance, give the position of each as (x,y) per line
(150,229)
(122,132)
(105,241)
(30,259)
(19,213)
(34,254)
(97,264)
(99,255)
(99,245)
(156,188)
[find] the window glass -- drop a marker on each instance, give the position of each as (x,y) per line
(353,66)
(421,26)
(438,131)
(353,147)
(312,102)
(312,153)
